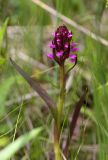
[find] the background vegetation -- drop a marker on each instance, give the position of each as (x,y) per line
(24,35)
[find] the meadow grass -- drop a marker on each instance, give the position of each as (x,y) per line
(92,67)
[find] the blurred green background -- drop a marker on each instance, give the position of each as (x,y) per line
(25,31)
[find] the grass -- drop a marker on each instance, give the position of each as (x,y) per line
(91,70)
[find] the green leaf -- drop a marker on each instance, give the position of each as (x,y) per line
(73,121)
(2,32)
(2,61)
(4,91)
(36,86)
(12,148)
(77,112)
(4,141)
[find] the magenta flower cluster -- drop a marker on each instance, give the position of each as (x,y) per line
(61,46)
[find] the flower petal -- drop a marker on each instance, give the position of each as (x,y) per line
(51,45)
(74,49)
(53,34)
(59,53)
(66,45)
(58,40)
(74,44)
(69,35)
(50,55)
(73,57)
(58,34)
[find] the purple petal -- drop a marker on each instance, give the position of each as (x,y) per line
(59,53)
(74,49)
(51,45)
(74,44)
(73,57)
(53,34)
(66,46)
(58,34)
(58,40)
(69,35)
(50,55)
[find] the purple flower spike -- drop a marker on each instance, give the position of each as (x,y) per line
(50,55)
(61,46)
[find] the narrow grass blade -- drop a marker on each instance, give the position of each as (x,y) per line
(2,31)
(36,86)
(12,148)
(5,87)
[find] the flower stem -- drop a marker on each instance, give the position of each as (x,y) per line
(57,128)
(62,94)
(57,151)
(56,143)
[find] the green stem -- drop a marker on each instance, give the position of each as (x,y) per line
(62,94)
(57,128)
(57,151)
(56,143)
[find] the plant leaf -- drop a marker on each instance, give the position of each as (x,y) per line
(36,86)
(12,148)
(74,121)
(5,87)
(2,32)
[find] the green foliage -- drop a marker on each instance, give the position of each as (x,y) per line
(2,50)
(2,32)
(92,63)
(11,149)
(4,141)
(5,87)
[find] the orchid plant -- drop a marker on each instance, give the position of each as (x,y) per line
(63,48)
